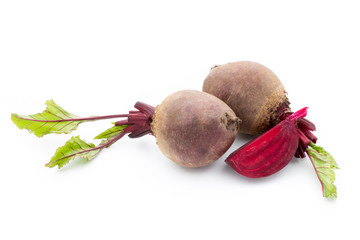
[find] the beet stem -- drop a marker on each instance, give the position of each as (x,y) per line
(308,134)
(138,121)
(81,119)
(306,123)
(304,127)
(145,108)
(304,141)
(299,114)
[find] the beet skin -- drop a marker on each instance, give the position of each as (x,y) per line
(194,128)
(252,90)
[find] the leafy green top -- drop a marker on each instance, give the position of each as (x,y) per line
(75,147)
(52,120)
(111,132)
(57,120)
(324,165)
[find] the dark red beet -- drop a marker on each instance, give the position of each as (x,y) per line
(270,152)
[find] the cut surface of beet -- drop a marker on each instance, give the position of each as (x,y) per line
(271,151)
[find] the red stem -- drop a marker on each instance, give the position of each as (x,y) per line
(322,186)
(80,119)
(304,128)
(138,125)
(139,120)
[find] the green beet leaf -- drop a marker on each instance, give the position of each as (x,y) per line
(53,120)
(111,132)
(75,147)
(324,165)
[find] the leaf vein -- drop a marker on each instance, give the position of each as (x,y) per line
(53,126)
(319,158)
(60,110)
(70,122)
(53,114)
(36,129)
(321,172)
(79,145)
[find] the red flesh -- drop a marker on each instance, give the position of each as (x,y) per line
(274,149)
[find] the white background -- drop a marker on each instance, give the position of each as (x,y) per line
(100,57)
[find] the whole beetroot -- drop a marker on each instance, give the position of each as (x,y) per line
(252,90)
(192,128)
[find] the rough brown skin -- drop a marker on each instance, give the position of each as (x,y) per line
(194,128)
(252,90)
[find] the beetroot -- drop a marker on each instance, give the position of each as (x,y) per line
(270,152)
(258,97)
(252,90)
(192,128)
